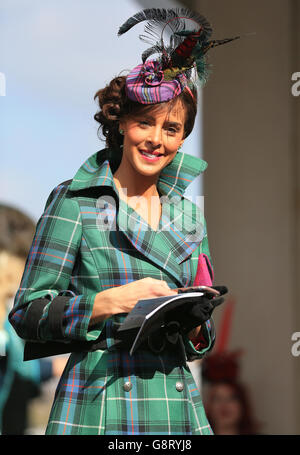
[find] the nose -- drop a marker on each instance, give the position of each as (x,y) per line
(155,137)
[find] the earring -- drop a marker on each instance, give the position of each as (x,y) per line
(179,148)
(121,132)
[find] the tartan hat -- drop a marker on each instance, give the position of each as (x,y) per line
(146,84)
(180,64)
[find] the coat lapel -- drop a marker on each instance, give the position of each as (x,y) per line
(149,243)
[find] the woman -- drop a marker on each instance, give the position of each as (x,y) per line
(228,408)
(120,231)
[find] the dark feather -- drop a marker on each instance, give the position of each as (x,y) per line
(150,51)
(224,41)
(199,19)
(150,14)
(175,41)
(176,24)
(167,22)
(219,42)
(148,40)
(161,16)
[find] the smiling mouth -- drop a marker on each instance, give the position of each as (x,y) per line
(150,155)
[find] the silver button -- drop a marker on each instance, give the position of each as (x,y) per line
(127,386)
(179,386)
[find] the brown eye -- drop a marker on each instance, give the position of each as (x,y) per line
(171,130)
(143,123)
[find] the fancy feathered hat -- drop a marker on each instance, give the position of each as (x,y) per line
(180,63)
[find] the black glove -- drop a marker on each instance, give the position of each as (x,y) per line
(195,314)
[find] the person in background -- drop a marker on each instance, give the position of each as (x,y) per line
(19,381)
(226,399)
(228,409)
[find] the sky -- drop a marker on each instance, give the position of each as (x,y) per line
(55,55)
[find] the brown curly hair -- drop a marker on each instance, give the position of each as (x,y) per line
(115,105)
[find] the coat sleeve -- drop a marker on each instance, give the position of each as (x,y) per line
(44,307)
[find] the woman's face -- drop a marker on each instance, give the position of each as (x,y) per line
(151,141)
(224,405)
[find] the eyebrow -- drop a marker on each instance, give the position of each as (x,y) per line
(169,122)
(175,124)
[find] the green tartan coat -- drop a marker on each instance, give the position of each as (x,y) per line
(88,240)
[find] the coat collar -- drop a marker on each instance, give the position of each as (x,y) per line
(173,180)
(181,227)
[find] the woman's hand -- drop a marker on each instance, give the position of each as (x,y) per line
(122,299)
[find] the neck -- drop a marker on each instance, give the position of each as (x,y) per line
(130,184)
